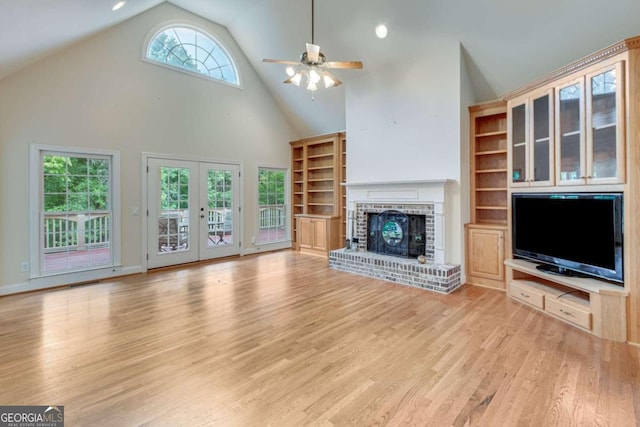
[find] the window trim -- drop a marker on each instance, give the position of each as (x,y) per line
(287,198)
(35,184)
(179,23)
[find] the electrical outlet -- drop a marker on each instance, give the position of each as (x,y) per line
(24,267)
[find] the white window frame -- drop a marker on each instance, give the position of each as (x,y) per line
(286,242)
(39,278)
(178,23)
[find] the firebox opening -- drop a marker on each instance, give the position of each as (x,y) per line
(394,233)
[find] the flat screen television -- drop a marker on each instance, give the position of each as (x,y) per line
(570,233)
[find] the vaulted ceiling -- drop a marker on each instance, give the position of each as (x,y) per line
(506,43)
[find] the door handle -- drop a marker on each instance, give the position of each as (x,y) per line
(202,216)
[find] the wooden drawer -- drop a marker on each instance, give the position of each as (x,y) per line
(521,291)
(569,311)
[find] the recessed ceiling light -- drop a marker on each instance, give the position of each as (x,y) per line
(118,5)
(381,31)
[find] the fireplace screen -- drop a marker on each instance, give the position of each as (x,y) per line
(395,233)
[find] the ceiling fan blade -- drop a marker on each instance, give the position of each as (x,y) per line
(313,52)
(281,61)
(344,64)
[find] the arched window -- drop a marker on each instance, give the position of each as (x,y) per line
(194,51)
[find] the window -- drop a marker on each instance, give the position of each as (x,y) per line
(75,221)
(192,50)
(272,208)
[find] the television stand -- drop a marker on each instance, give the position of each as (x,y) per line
(593,305)
(560,271)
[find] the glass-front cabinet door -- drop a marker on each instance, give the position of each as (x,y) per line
(518,144)
(605,139)
(541,147)
(570,154)
(531,141)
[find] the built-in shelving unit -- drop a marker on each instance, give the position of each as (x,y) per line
(489,163)
(594,146)
(318,169)
(485,235)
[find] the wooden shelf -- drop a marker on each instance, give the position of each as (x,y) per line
(321,180)
(488,153)
(496,133)
(320,191)
(492,189)
(319,156)
(495,208)
(580,283)
(499,222)
(491,170)
(317,168)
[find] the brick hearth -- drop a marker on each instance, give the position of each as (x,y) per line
(441,278)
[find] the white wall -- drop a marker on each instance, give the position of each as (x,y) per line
(404,123)
(99,93)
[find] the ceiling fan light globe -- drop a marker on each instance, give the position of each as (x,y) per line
(314,76)
(312,86)
(328,81)
(290,71)
(296,79)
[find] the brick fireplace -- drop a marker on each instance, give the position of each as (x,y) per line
(411,198)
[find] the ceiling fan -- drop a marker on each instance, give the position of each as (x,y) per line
(313,65)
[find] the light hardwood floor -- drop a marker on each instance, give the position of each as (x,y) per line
(279,339)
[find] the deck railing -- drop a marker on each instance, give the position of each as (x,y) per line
(78,231)
(75,231)
(272,216)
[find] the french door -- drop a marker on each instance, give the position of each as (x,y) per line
(193,211)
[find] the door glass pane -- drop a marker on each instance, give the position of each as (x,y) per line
(173,220)
(518,140)
(603,120)
(541,140)
(220,208)
(570,131)
(76,212)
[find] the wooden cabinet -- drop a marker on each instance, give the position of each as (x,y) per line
(485,255)
(596,122)
(317,171)
(589,114)
(318,234)
(589,304)
(530,140)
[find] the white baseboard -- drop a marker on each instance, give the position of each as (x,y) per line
(267,247)
(40,283)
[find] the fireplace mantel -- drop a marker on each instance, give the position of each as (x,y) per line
(432,192)
(396,183)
